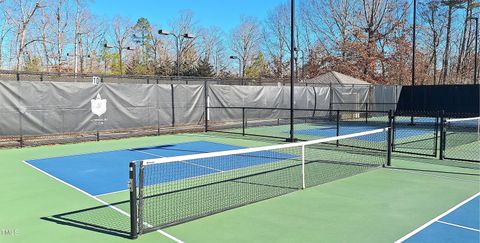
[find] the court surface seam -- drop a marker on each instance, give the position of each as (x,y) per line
(99,200)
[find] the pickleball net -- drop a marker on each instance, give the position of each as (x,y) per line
(172,190)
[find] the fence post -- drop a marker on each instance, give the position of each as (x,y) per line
(158,120)
(338,126)
(173,104)
(132,183)
(390,138)
(366,112)
(330,105)
(205,87)
(21,129)
(243,121)
(437,128)
(18,76)
(443,135)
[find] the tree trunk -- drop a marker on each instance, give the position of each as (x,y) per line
(447,45)
(462,44)
(21,48)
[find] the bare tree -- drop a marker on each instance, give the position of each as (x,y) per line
(185,23)
(379,19)
(24,11)
(433,18)
(452,5)
(276,37)
(5,29)
(212,47)
(245,40)
(122,30)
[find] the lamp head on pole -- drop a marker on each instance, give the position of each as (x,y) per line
(163,32)
(188,36)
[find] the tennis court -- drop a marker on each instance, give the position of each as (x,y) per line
(354,190)
(105,172)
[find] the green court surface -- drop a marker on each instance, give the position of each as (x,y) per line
(380,205)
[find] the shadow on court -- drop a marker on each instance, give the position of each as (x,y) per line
(101,219)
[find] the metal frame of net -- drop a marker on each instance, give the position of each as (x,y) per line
(173,190)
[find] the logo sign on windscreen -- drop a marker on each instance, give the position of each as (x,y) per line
(99,105)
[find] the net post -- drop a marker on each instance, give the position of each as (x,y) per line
(141,179)
(338,127)
(243,121)
(443,135)
(303,166)
(390,138)
(133,201)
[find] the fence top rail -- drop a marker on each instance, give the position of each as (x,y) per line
(295,109)
(125,78)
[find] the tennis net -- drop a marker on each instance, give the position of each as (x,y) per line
(462,136)
(174,190)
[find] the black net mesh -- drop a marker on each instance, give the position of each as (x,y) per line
(179,189)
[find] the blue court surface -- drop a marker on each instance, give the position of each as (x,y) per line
(331,131)
(107,172)
(459,225)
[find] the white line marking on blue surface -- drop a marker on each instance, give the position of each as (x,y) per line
(436,219)
(98,200)
(457,225)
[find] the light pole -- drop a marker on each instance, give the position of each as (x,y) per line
(475,65)
(240,73)
(414,39)
(120,49)
(292,68)
(177,42)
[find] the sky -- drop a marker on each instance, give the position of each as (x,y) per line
(222,13)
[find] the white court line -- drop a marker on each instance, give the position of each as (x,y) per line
(457,225)
(110,193)
(436,219)
(99,200)
(190,163)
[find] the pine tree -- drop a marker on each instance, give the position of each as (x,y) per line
(204,69)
